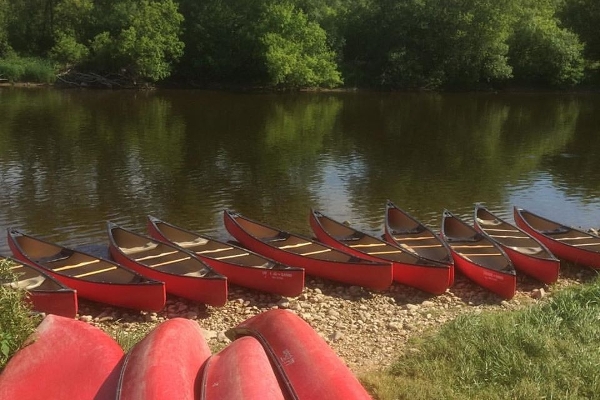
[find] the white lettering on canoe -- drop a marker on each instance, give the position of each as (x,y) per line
(490,276)
(287,358)
(277,275)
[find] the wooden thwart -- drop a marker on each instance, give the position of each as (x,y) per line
(169,262)
(315,252)
(476,246)
(214,250)
(156,255)
(233,256)
(479,254)
(81,264)
(291,246)
(369,245)
(99,271)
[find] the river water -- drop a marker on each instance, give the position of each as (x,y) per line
(71,160)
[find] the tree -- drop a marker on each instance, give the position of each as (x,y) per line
(296,51)
(541,52)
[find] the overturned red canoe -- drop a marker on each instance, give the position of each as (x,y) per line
(478,257)
(45,293)
(316,258)
(65,359)
(241,266)
(183,273)
(567,243)
(164,364)
(528,254)
(93,277)
(408,267)
(241,370)
(305,364)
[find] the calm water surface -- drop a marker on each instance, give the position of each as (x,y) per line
(72,160)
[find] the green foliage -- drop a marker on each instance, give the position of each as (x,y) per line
(296,52)
(17,69)
(543,53)
(15,322)
(546,351)
(67,51)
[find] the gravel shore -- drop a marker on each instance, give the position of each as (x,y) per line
(366,329)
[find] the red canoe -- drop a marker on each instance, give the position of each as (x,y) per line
(408,267)
(317,259)
(241,370)
(527,254)
(45,293)
(241,266)
(66,359)
(93,277)
(564,242)
(164,364)
(183,273)
(305,364)
(478,257)
(407,232)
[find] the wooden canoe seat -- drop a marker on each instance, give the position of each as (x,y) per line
(139,249)
(423,246)
(315,252)
(214,250)
(413,238)
(150,257)
(585,244)
(293,246)
(575,238)
(99,271)
(191,243)
(169,262)
(501,230)
(479,254)
(471,246)
(509,236)
(385,252)
(369,245)
(81,264)
(233,256)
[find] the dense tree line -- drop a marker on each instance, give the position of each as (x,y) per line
(313,43)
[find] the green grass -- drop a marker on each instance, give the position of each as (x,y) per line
(16,323)
(546,351)
(26,69)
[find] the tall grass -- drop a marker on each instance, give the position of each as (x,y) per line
(549,351)
(26,69)
(16,324)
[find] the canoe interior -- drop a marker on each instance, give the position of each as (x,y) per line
(292,243)
(29,278)
(366,243)
(413,236)
(561,233)
(159,256)
(508,234)
(213,249)
(74,264)
(474,246)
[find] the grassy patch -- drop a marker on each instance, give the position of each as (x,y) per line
(545,351)
(25,69)
(16,324)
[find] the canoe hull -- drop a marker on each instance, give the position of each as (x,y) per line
(164,363)
(493,269)
(305,364)
(563,251)
(208,291)
(241,370)
(67,359)
(284,281)
(428,277)
(371,275)
(145,295)
(51,296)
(538,262)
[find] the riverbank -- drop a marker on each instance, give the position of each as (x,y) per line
(367,330)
